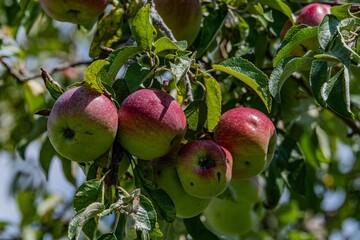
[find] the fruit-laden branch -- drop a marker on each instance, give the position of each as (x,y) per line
(159,22)
(21,79)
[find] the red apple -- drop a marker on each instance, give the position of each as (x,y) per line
(312,15)
(166,177)
(204,168)
(183,17)
(83,12)
(250,136)
(151,123)
(82,124)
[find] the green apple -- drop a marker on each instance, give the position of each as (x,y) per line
(151,124)
(82,124)
(250,136)
(204,168)
(83,12)
(166,177)
(226,216)
(183,17)
(239,215)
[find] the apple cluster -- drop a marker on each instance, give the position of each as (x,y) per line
(151,125)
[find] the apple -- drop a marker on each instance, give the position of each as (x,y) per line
(250,136)
(82,12)
(312,15)
(82,124)
(151,124)
(227,216)
(239,214)
(204,168)
(183,17)
(166,177)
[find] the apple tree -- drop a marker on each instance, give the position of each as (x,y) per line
(202,119)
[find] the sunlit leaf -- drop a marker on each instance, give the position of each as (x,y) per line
(249,74)
(52,86)
(165,44)
(86,194)
(95,74)
(195,113)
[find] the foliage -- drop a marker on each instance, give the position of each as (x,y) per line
(237,59)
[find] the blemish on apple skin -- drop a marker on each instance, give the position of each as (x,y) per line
(88,133)
(247,163)
(218,174)
(191,184)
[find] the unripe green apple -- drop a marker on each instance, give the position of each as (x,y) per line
(183,17)
(250,136)
(226,216)
(83,12)
(151,124)
(82,124)
(166,177)
(204,168)
(251,189)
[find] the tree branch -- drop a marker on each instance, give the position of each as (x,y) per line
(21,79)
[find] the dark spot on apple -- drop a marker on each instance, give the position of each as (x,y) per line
(88,133)
(158,173)
(218,174)
(68,133)
(247,163)
(73,12)
(191,184)
(207,162)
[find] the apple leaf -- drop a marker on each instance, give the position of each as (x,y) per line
(51,85)
(47,153)
(249,74)
(95,74)
(318,76)
(78,221)
(180,66)
(107,236)
(118,58)
(327,30)
(86,194)
(212,24)
(197,230)
(165,44)
(336,93)
(283,71)
(195,113)
(142,29)
(108,30)
(136,74)
(280,6)
(296,36)
(213,99)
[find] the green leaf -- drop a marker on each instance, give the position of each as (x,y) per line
(296,36)
(197,230)
(95,74)
(165,44)
(249,74)
(142,29)
(78,221)
(213,99)
(86,194)
(108,31)
(118,58)
(34,95)
(25,202)
(195,113)
(284,70)
(327,30)
(280,6)
(107,236)
(181,66)
(318,76)
(336,93)
(52,86)
(212,24)
(47,152)
(136,74)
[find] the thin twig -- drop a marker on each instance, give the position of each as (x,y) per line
(21,79)
(158,21)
